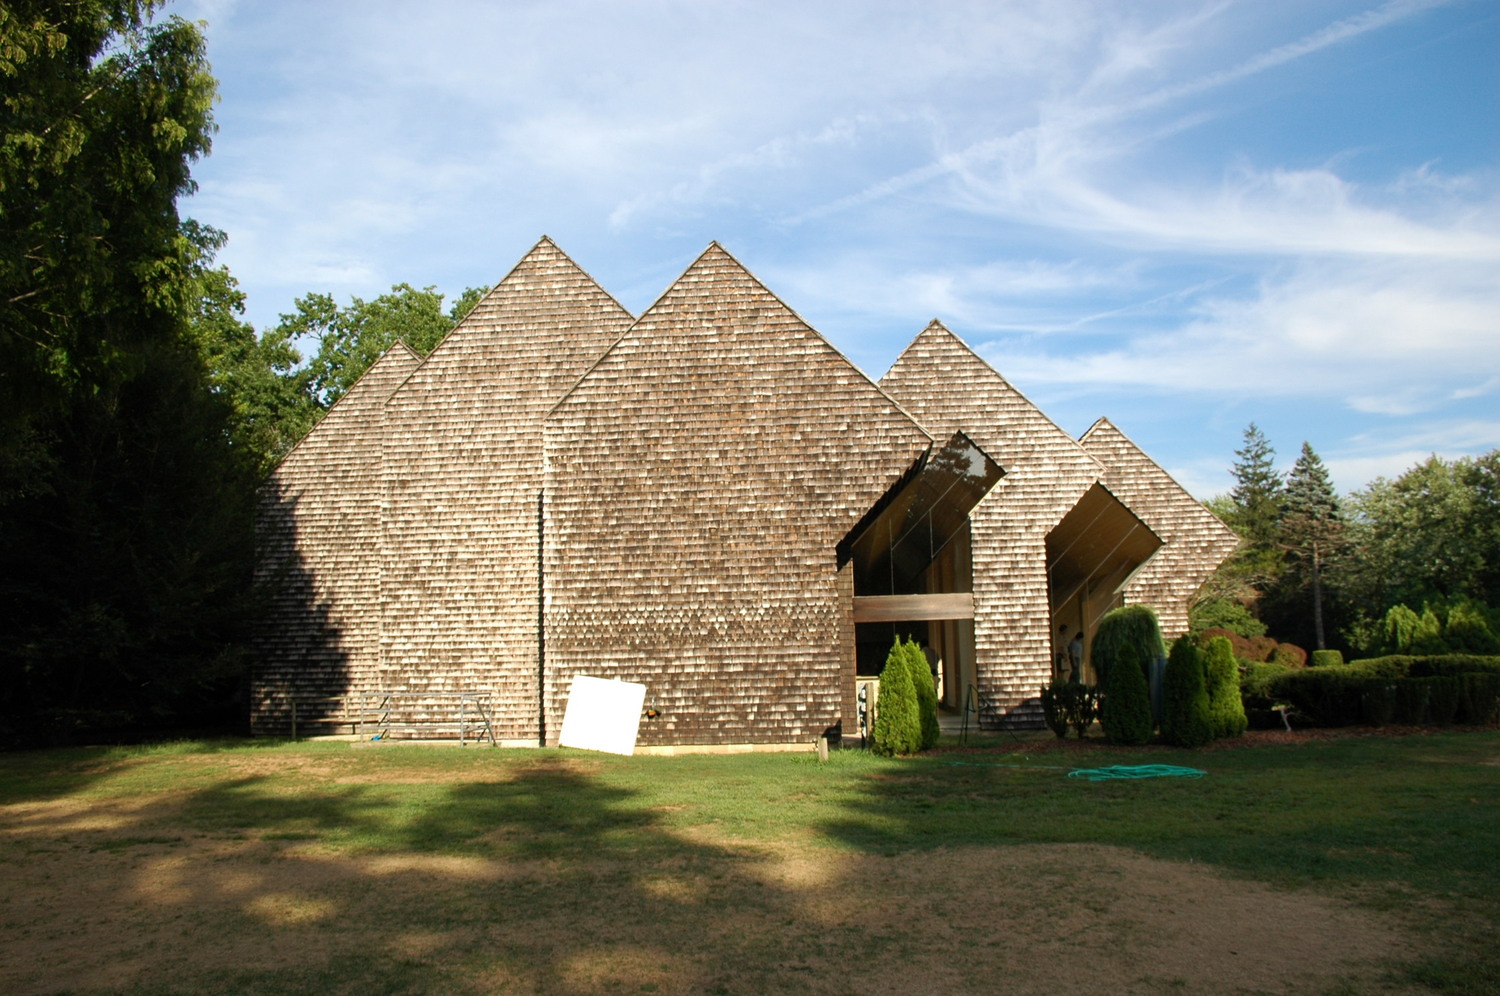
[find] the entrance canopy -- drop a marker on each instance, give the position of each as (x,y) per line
(894,545)
(1097,546)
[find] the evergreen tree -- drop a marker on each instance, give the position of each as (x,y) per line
(921,680)
(898,725)
(1126,708)
(1257,489)
(1312,526)
(1186,720)
(1226,707)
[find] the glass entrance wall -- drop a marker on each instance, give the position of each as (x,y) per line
(895,547)
(1091,555)
(912,559)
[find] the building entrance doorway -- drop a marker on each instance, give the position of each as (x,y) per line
(913,567)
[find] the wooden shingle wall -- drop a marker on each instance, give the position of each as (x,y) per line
(462,476)
(699,479)
(1195,540)
(318,540)
(948,388)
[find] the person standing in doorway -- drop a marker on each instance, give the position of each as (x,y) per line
(1075,658)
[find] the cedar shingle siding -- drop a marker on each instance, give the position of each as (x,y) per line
(561,489)
(1196,541)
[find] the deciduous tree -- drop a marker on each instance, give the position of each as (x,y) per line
(124,525)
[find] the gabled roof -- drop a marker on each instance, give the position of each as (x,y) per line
(717,319)
(526,341)
(949,388)
(1166,505)
(720,373)
(357,410)
(1196,540)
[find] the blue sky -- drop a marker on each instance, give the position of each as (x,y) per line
(1186,216)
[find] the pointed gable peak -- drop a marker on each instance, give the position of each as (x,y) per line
(938,338)
(1101,425)
(716,257)
(715,278)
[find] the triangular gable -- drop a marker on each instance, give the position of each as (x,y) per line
(1153,494)
(718,344)
(948,387)
(1196,541)
(357,410)
(526,341)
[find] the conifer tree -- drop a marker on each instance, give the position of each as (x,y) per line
(898,725)
(1185,719)
(1225,705)
(921,679)
(1127,700)
(1312,526)
(1257,488)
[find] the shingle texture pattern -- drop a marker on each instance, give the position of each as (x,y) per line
(699,479)
(1195,540)
(462,482)
(948,388)
(563,489)
(318,535)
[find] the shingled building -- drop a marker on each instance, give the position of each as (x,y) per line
(709,499)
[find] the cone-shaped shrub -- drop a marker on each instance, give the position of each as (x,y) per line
(1132,625)
(1127,700)
(921,680)
(898,727)
(1185,719)
(1225,706)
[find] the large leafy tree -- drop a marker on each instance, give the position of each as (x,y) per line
(1431,534)
(350,338)
(1312,528)
(124,525)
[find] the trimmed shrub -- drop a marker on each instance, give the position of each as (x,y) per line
(1052,708)
(1411,701)
(1255,684)
(921,681)
(1080,706)
(1452,664)
(898,726)
(1289,655)
(1393,666)
(1327,658)
(1479,698)
(1443,694)
(1378,702)
(1226,709)
(1185,719)
(1327,697)
(1132,625)
(1126,709)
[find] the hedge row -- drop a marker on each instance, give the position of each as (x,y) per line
(1452,688)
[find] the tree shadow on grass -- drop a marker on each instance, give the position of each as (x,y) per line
(544,880)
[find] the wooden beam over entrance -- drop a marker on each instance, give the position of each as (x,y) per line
(913,608)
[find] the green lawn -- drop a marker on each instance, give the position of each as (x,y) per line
(287,842)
